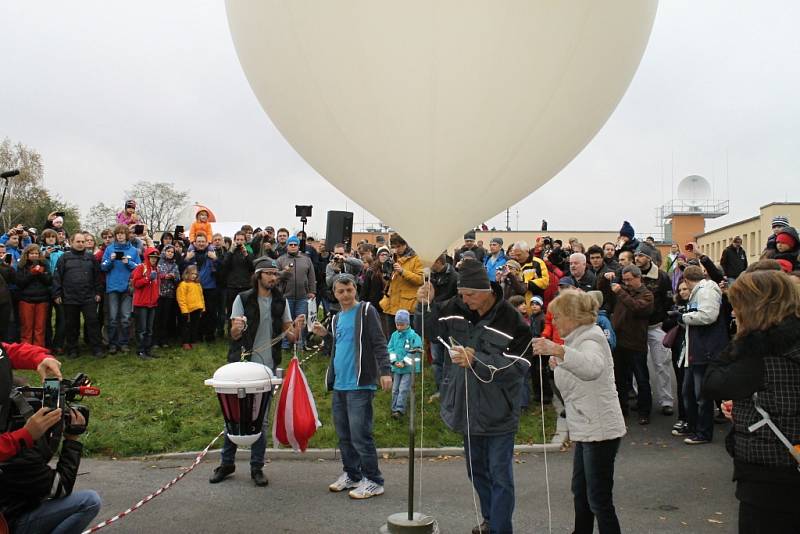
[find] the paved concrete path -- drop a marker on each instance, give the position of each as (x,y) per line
(661,486)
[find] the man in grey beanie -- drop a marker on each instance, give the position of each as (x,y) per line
(484,332)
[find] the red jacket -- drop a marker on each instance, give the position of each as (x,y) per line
(22,356)
(550,331)
(145,286)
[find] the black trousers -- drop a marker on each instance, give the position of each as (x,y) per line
(5,320)
(190,327)
(760,520)
(166,320)
(72,316)
(627,362)
(208,321)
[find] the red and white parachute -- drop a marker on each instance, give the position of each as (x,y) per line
(296,418)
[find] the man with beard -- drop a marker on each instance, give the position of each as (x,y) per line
(265,313)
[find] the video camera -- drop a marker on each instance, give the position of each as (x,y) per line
(53,394)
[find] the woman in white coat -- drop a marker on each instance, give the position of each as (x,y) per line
(584,373)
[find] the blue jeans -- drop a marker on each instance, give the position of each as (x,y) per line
(592,485)
(120,306)
(352,418)
(699,410)
(68,515)
(492,462)
(297,307)
(144,327)
(401,385)
(257,449)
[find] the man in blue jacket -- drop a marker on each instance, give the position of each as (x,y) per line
(496,258)
(119,260)
(359,360)
(208,263)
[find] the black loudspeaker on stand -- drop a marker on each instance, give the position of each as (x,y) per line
(339,229)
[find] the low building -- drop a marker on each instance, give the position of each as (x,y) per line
(753,231)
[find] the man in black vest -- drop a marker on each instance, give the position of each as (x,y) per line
(257,314)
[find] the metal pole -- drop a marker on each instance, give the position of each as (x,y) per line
(411,439)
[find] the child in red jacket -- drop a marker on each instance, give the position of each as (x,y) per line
(145,300)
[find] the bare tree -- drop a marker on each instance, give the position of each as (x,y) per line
(158,203)
(99,217)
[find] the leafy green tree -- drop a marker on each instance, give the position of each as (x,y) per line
(27,201)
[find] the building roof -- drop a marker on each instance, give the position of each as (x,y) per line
(737,223)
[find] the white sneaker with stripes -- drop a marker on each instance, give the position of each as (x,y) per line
(342,483)
(366,489)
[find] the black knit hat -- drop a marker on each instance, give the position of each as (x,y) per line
(473,275)
(470,235)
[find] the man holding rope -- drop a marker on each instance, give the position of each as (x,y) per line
(480,389)
(256,316)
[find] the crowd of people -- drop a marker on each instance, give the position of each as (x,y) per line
(515,325)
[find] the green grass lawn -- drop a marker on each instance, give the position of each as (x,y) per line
(158,406)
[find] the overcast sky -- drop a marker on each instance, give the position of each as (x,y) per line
(114,92)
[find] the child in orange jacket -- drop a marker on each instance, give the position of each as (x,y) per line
(200,225)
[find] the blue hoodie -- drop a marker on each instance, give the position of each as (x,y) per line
(492,265)
(119,273)
(206,267)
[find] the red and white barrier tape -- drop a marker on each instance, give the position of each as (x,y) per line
(160,490)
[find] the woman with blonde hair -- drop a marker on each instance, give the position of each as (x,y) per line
(584,373)
(760,371)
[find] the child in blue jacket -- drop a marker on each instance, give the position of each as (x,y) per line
(405,351)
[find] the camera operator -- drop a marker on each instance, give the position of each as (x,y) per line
(386,263)
(23,356)
(34,497)
(341,262)
(238,269)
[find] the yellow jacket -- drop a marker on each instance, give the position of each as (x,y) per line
(402,292)
(190,297)
(536,277)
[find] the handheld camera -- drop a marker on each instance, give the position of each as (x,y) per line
(54,394)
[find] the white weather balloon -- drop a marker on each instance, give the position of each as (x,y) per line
(437,114)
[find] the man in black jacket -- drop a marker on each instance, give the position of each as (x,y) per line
(480,391)
(77,285)
(238,268)
(659,284)
(444,280)
(257,315)
(733,260)
(469,245)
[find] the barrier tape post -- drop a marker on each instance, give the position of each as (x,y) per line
(158,492)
